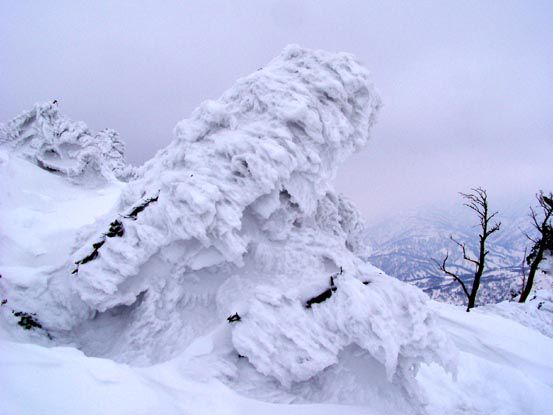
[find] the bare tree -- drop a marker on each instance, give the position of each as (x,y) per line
(541,220)
(516,293)
(477,201)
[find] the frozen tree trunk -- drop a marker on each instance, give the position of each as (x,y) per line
(543,242)
(478,202)
(531,274)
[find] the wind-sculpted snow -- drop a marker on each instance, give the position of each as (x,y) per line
(57,144)
(284,339)
(237,217)
(247,176)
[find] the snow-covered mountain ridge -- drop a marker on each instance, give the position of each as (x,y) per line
(408,247)
(227,276)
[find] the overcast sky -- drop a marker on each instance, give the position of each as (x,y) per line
(467,86)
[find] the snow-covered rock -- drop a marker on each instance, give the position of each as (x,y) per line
(57,144)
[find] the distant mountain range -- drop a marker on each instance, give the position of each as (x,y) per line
(407,247)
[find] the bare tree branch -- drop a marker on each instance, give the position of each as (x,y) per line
(443,267)
(477,201)
(534,217)
(463,248)
(542,243)
(534,240)
(523,269)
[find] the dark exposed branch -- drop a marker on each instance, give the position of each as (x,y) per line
(116,229)
(464,250)
(477,201)
(542,243)
(137,209)
(443,267)
(235,317)
(326,294)
(533,240)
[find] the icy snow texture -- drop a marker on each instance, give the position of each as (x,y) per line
(57,144)
(242,199)
(284,339)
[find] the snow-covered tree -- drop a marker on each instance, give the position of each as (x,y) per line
(234,233)
(57,144)
(542,244)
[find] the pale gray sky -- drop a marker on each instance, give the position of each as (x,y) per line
(467,86)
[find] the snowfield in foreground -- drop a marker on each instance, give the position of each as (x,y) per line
(226,275)
(504,369)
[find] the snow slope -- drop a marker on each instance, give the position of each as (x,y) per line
(40,213)
(504,367)
(38,380)
(497,374)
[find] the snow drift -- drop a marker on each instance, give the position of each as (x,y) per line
(504,369)
(237,216)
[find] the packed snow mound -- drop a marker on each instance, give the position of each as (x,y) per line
(237,217)
(57,144)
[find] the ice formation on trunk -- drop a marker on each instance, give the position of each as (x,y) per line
(57,144)
(237,216)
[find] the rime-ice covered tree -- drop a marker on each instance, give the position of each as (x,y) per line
(477,201)
(237,216)
(55,143)
(542,243)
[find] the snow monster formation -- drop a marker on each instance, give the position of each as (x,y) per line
(56,144)
(231,240)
